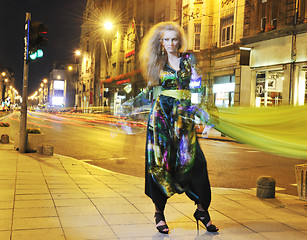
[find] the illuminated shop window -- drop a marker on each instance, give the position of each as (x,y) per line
(223,90)
(269,87)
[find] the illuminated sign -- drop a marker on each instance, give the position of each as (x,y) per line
(130,53)
(58,85)
(195,83)
(128,88)
(57,101)
(224,87)
(123,81)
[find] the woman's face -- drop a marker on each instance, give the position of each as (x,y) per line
(170,41)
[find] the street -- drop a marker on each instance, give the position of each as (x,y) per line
(111,146)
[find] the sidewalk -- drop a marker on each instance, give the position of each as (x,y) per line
(59,198)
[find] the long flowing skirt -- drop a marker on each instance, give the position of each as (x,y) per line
(175,162)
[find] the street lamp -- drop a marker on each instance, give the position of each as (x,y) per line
(78,52)
(108,25)
(44,92)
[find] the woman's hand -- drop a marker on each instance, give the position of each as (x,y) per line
(205,132)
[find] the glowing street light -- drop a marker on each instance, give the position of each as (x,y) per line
(78,52)
(108,25)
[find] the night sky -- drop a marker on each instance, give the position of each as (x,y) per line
(64,19)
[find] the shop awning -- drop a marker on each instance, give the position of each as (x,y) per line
(122,76)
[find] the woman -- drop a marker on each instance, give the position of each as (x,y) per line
(174,160)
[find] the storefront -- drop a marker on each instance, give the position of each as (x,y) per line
(223,90)
(269,88)
(120,88)
(278,70)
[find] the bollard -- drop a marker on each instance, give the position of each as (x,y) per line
(266,187)
(301,180)
(47,150)
(39,149)
(5,138)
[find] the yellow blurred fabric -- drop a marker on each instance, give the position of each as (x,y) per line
(281,130)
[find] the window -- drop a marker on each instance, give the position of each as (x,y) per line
(226,31)
(197,30)
(114,68)
(274,23)
(130,41)
(121,68)
(263,16)
(302,14)
(178,9)
(223,90)
(162,17)
(269,88)
(129,66)
(87,46)
(114,45)
(185,29)
(263,24)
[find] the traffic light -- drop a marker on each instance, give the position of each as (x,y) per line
(38,54)
(36,39)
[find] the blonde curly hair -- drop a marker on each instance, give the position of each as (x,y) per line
(151,58)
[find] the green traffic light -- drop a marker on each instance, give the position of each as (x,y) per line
(38,54)
(33,56)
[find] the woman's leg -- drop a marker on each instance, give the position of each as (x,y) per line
(199,187)
(160,221)
(200,191)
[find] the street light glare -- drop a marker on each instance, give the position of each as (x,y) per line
(78,52)
(108,25)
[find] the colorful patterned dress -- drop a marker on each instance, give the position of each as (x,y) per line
(174,160)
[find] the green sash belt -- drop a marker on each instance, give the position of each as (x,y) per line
(178,94)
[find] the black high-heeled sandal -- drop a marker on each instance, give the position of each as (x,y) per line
(158,218)
(204,217)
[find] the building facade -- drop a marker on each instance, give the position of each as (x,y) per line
(276,34)
(236,43)
(61,86)
(7,91)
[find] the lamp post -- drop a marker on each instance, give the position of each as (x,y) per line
(76,77)
(3,74)
(107,28)
(45,91)
(4,83)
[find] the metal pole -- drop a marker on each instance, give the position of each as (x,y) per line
(23,113)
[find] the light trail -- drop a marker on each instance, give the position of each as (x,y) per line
(61,122)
